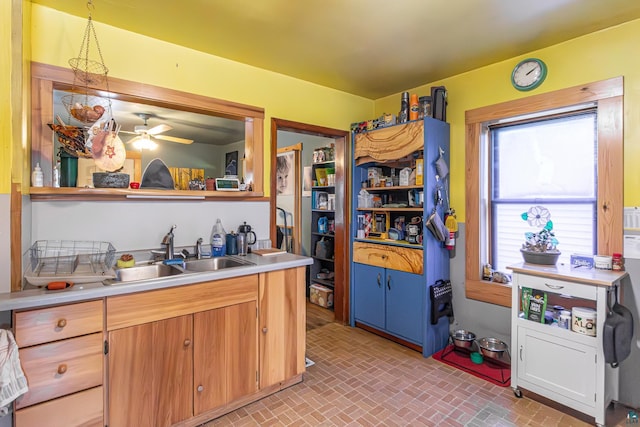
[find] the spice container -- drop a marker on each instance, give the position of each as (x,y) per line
(617,263)
(425,107)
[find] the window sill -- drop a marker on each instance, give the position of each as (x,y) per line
(97,194)
(493,293)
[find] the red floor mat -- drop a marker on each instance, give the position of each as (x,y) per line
(494,371)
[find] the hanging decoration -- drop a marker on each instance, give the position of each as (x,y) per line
(98,137)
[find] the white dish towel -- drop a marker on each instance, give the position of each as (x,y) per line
(13,383)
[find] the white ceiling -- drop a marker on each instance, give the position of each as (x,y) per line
(371,48)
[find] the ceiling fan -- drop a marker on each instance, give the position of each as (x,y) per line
(145,134)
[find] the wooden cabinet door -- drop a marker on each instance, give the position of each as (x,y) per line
(368,294)
(405,305)
(225,355)
(150,373)
(282,325)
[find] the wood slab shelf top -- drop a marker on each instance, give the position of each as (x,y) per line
(98,194)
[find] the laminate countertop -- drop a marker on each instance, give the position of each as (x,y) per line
(40,297)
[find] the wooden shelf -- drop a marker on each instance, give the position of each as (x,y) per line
(402,243)
(97,194)
(322,259)
(323,234)
(407,209)
(325,282)
(322,210)
(394,188)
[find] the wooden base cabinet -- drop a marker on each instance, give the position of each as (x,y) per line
(565,366)
(225,354)
(183,353)
(151,373)
(61,350)
(282,325)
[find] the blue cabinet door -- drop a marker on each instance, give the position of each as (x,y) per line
(405,305)
(368,294)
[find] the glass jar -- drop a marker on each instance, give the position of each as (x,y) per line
(617,263)
(425,107)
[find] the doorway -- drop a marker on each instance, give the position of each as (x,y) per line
(340,140)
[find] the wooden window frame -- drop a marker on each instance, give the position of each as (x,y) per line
(608,97)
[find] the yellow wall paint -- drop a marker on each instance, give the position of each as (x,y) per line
(597,56)
(5,96)
(56,37)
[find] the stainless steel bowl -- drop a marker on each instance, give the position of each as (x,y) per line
(463,338)
(492,347)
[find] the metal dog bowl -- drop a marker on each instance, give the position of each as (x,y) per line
(492,347)
(463,338)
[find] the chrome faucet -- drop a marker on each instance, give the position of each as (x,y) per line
(199,248)
(167,240)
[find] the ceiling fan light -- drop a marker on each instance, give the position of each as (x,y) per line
(145,143)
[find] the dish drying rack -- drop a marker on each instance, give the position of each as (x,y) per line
(72,260)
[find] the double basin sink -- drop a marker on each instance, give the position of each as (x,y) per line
(160,270)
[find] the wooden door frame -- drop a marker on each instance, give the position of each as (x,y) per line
(343,185)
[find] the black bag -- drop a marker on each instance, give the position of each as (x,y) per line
(617,334)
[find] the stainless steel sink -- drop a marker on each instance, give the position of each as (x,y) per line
(213,264)
(142,272)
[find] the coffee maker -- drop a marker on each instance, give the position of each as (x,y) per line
(245,239)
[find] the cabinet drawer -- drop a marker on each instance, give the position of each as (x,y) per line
(136,309)
(81,409)
(579,290)
(388,256)
(55,323)
(61,368)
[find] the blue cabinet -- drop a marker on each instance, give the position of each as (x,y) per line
(395,259)
(389,300)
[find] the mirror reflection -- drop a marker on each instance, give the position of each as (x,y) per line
(197,144)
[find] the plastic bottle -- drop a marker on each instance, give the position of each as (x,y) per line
(218,240)
(414,107)
(617,262)
(56,175)
(37,178)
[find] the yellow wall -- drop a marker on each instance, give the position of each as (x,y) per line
(56,37)
(597,56)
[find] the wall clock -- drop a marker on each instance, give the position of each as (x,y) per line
(528,74)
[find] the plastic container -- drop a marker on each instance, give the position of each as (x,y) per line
(56,175)
(564,320)
(602,262)
(414,107)
(583,320)
(218,240)
(37,178)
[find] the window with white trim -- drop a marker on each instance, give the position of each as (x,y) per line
(548,161)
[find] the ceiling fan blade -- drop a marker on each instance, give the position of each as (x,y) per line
(129,132)
(159,129)
(174,139)
(134,139)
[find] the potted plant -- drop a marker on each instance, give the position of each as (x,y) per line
(540,247)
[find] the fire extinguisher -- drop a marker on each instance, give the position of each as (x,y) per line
(452,225)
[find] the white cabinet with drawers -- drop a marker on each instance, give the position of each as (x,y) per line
(565,366)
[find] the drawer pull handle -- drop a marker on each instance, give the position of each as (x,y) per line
(61,323)
(187,342)
(200,388)
(379,284)
(264,330)
(520,352)
(553,286)
(62,369)
(389,282)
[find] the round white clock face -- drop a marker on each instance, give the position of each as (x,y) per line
(528,74)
